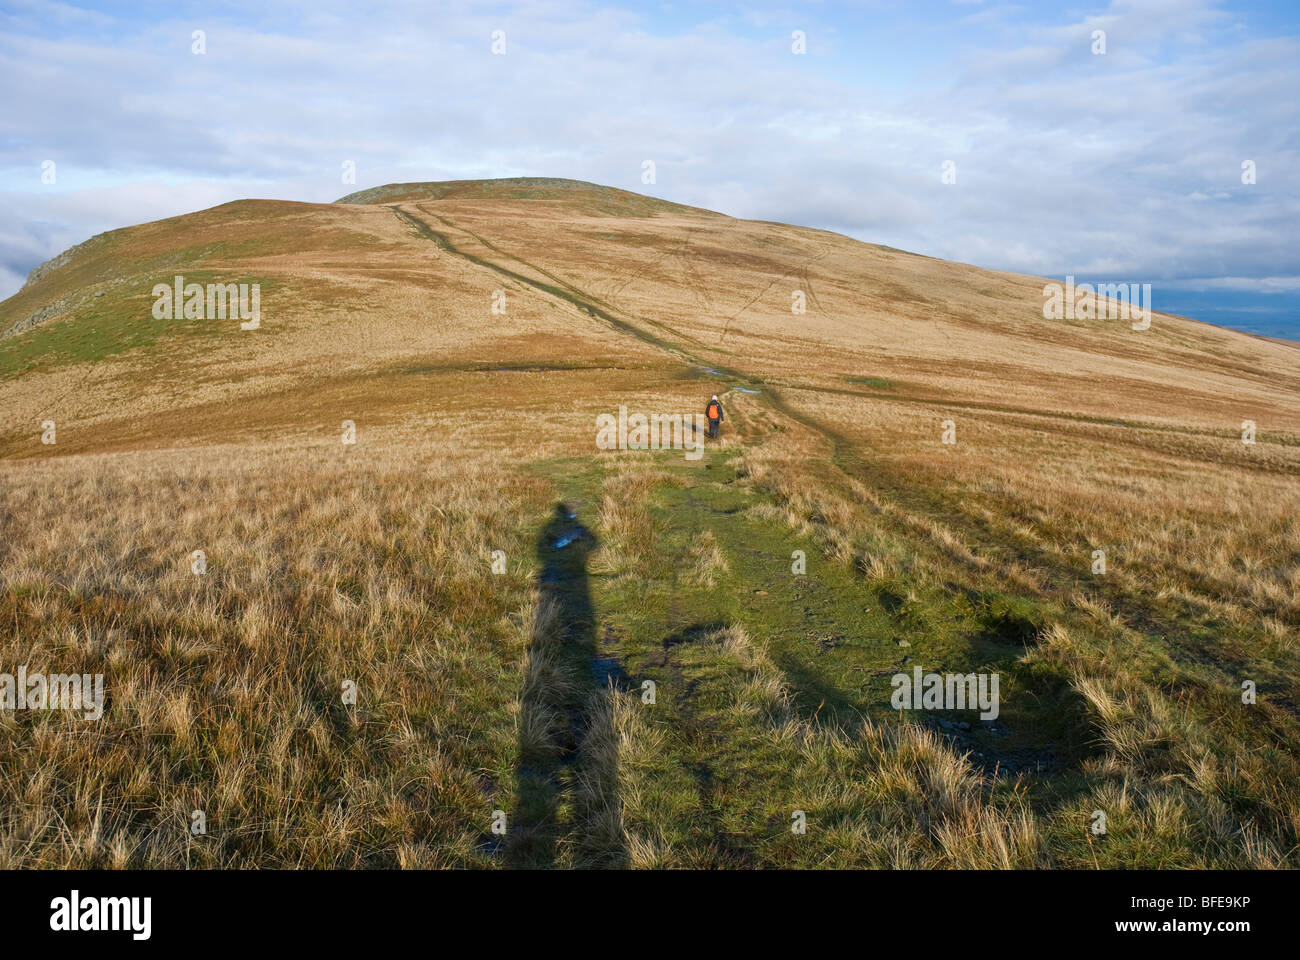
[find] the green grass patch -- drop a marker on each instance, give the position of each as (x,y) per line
(120,321)
(876,383)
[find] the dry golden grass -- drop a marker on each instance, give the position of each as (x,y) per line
(707,559)
(372,563)
(875,796)
(1203,556)
(224,690)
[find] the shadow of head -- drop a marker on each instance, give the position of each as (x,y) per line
(563,547)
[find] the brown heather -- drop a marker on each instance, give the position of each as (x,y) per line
(372,563)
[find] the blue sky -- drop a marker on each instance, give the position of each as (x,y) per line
(1122,166)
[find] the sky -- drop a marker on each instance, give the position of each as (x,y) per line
(993,133)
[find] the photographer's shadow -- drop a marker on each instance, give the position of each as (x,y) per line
(567,740)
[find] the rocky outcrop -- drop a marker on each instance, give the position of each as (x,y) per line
(56,308)
(52,264)
(42,315)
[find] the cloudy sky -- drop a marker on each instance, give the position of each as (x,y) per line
(1125,165)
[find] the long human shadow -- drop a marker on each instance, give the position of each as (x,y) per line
(567,744)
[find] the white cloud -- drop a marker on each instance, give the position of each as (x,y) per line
(1244,284)
(1127,163)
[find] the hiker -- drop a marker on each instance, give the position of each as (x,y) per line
(714,412)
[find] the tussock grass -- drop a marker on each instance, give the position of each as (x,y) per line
(629,534)
(707,559)
(224,691)
(475,690)
(873,795)
(1186,774)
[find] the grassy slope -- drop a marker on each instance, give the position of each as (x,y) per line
(484,693)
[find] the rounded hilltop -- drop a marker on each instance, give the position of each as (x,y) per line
(579,195)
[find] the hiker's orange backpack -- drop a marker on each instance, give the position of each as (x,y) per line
(713,411)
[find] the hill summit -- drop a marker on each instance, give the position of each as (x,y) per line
(530,271)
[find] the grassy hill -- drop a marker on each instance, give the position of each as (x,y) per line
(500,590)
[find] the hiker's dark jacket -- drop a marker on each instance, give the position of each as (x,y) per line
(721,416)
